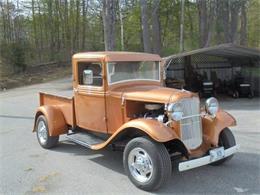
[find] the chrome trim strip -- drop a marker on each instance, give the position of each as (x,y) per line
(192,116)
(191,164)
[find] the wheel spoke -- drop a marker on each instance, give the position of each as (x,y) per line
(147,171)
(140,164)
(42,132)
(142,172)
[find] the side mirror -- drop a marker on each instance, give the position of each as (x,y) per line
(87,77)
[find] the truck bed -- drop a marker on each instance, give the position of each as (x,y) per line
(65,104)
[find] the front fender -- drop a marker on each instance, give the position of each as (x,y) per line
(213,126)
(55,119)
(153,128)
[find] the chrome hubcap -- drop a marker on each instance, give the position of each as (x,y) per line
(42,132)
(140,165)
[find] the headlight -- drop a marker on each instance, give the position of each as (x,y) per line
(175,111)
(212,106)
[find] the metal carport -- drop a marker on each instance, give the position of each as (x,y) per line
(221,59)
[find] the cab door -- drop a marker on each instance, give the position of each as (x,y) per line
(89,96)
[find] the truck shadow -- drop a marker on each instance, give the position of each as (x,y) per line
(236,176)
(241,174)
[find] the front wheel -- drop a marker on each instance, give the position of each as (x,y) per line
(42,132)
(227,140)
(147,163)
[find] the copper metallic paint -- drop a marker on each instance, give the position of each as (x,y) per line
(117,56)
(156,130)
(213,126)
(55,119)
(108,109)
(64,104)
(90,109)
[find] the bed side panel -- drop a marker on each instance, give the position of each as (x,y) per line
(63,103)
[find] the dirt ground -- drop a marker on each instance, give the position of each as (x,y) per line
(34,75)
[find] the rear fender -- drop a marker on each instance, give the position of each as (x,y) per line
(55,119)
(212,127)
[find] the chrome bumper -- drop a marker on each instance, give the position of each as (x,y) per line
(190,164)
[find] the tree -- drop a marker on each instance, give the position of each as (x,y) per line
(37,32)
(203,16)
(85,5)
(181,27)
(121,26)
(145,27)
(225,20)
(210,24)
(156,35)
(109,19)
(234,11)
(243,27)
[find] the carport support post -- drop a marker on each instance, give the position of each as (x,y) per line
(187,72)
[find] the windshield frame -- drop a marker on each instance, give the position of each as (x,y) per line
(129,80)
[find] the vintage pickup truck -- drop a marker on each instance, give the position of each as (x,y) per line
(119,100)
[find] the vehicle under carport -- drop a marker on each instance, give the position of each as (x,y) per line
(220,65)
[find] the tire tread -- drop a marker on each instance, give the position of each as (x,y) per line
(52,141)
(164,169)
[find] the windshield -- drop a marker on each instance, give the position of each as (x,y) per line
(125,71)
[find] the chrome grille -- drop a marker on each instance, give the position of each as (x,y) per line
(190,125)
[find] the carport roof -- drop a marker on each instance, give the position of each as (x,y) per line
(223,50)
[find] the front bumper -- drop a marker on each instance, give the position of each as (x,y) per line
(190,164)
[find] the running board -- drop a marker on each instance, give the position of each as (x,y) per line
(84,139)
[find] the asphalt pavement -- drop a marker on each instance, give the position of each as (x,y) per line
(26,168)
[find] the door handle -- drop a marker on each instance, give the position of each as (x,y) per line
(75,90)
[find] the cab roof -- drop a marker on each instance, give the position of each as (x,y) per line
(114,56)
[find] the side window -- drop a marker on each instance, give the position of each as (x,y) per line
(90,74)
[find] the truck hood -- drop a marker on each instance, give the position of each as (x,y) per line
(156,94)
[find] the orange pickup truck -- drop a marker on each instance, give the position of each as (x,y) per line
(119,100)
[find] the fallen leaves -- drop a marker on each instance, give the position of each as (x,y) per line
(39,189)
(43,182)
(28,169)
(47,177)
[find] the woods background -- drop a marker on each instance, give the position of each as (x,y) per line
(34,32)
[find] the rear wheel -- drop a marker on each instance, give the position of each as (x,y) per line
(147,163)
(227,140)
(42,132)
